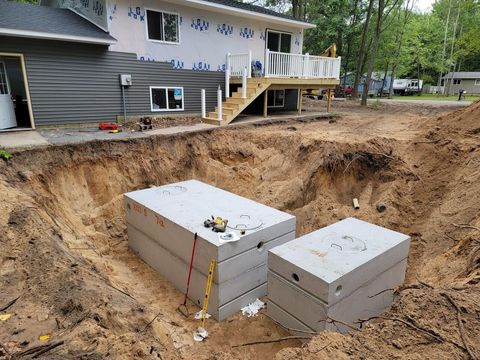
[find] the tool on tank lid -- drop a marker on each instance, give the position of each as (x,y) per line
(217,224)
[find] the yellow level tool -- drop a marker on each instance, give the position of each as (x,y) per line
(211,268)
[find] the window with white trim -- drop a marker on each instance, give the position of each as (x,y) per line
(457,81)
(477,82)
(275,98)
(166,98)
(163,26)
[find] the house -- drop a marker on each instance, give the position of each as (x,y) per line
(60,63)
(468,81)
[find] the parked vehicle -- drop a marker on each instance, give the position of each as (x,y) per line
(407,86)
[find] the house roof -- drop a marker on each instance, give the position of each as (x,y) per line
(251,7)
(463,75)
(246,10)
(43,22)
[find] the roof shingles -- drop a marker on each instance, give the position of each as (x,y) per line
(44,19)
(463,75)
(253,8)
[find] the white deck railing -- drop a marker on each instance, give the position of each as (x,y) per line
(281,65)
(236,63)
(285,65)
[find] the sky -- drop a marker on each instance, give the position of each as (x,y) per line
(424,5)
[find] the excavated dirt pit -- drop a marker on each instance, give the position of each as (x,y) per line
(64,251)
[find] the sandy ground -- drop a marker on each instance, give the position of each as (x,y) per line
(65,254)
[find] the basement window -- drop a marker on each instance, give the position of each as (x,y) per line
(276,98)
(163,27)
(166,98)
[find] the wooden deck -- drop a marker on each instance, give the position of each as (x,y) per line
(234,105)
(291,83)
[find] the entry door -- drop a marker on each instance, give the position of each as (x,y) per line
(279,41)
(7,112)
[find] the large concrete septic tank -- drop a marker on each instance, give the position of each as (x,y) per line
(345,271)
(162,222)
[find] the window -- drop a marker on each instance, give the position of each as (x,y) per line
(162,26)
(166,98)
(276,98)
(279,41)
(457,81)
(477,82)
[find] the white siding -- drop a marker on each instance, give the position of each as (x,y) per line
(198,49)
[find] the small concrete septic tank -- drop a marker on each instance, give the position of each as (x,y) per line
(344,271)
(161,225)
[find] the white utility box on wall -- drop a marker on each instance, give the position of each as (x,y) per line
(162,222)
(344,272)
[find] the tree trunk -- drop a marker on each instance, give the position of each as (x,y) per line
(399,41)
(373,54)
(444,48)
(361,52)
(390,90)
(384,78)
(454,35)
(418,77)
(349,43)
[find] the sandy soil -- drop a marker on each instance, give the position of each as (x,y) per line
(65,255)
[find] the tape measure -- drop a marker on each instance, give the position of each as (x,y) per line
(211,268)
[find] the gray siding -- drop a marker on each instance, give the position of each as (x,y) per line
(75,83)
(467,84)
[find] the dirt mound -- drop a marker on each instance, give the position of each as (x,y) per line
(436,315)
(65,255)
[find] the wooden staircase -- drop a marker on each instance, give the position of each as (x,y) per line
(235,104)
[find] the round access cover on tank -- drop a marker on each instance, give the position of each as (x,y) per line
(171,190)
(345,244)
(244,222)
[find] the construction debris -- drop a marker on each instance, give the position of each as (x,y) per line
(253,308)
(356,204)
(381,207)
(146,123)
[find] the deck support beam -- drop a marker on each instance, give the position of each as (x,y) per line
(265,104)
(299,102)
(329,100)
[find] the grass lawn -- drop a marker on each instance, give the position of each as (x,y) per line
(435,97)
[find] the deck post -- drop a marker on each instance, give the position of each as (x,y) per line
(244,84)
(265,104)
(227,76)
(266,66)
(204,106)
(329,100)
(219,103)
(306,68)
(227,83)
(299,102)
(249,64)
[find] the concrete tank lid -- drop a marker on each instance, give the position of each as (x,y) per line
(335,250)
(189,203)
